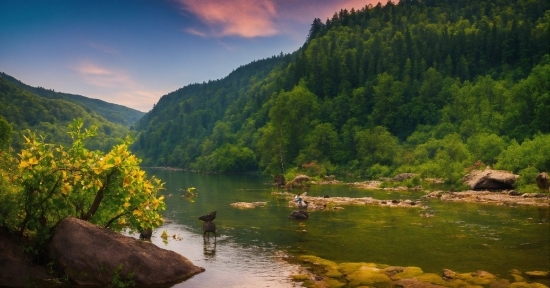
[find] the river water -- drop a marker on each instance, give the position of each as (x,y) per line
(248,250)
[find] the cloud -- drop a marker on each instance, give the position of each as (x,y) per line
(243,18)
(95,75)
(261,18)
(116,86)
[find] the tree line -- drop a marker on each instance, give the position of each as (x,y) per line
(417,86)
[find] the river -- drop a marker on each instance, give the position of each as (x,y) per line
(248,250)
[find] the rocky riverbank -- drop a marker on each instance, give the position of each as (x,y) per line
(507,198)
(325,273)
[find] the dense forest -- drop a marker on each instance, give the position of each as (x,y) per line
(50,118)
(113,112)
(432,87)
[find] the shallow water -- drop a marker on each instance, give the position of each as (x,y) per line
(463,237)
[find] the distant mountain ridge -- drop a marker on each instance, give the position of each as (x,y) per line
(113,112)
(50,118)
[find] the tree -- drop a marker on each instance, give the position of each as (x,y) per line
(54,182)
(5,133)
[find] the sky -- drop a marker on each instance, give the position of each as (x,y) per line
(133,52)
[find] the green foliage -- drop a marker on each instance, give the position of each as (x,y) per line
(112,112)
(529,154)
(51,117)
(48,182)
(401,87)
(228,158)
(527,179)
(5,133)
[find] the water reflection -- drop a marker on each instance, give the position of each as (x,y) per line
(209,249)
(463,237)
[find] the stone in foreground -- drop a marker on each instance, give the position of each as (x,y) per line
(15,266)
(91,255)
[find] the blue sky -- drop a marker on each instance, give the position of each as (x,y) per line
(133,52)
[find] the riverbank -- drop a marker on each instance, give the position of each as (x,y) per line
(506,197)
(326,273)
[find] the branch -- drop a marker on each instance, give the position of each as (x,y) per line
(29,212)
(98,197)
(116,217)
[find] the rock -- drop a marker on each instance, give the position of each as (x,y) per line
(299,214)
(449,274)
(514,193)
(15,267)
(489,179)
(279,180)
(404,176)
(297,181)
(248,205)
(500,283)
(90,255)
(538,274)
(542,181)
(414,283)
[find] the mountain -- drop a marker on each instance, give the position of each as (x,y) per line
(430,86)
(113,112)
(51,117)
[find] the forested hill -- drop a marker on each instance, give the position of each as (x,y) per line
(423,86)
(113,112)
(50,118)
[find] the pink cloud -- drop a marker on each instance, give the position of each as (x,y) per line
(257,18)
(116,86)
(244,18)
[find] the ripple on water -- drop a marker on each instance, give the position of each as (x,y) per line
(228,264)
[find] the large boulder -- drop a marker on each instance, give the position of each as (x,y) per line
(16,268)
(297,181)
(542,181)
(489,179)
(92,255)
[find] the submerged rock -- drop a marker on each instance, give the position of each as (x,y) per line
(299,214)
(91,255)
(248,205)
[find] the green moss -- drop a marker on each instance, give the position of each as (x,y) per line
(349,267)
(432,278)
(334,273)
(526,285)
(327,264)
(331,283)
(517,277)
(409,272)
(479,278)
(299,277)
(372,276)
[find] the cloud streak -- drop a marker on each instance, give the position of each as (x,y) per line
(243,18)
(260,18)
(116,86)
